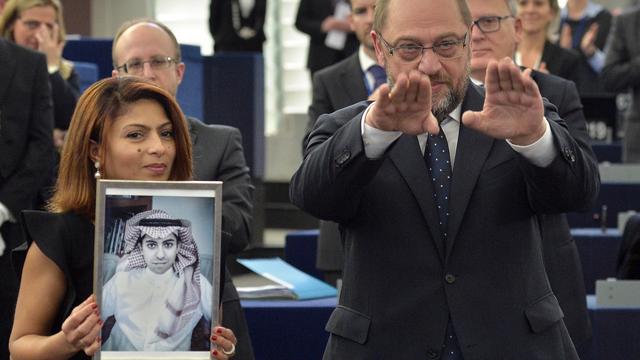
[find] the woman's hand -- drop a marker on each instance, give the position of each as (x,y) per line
(225,343)
(82,328)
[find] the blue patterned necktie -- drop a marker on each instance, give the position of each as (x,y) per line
(379,76)
(439,165)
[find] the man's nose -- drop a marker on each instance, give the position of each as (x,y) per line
(430,63)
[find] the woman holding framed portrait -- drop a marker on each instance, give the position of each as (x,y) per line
(123,128)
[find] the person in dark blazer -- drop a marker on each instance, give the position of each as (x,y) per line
(315,18)
(235,28)
(26,145)
(149,49)
(622,72)
(535,51)
(335,87)
(562,260)
(453,271)
(584,27)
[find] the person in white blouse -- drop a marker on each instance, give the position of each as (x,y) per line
(157,295)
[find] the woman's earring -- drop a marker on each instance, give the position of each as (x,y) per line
(97,166)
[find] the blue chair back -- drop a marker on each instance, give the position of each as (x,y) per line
(87,73)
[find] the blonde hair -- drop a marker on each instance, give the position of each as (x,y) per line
(12,12)
(98,107)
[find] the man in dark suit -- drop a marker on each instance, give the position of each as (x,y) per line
(335,87)
(622,72)
(315,18)
(149,49)
(561,256)
(26,145)
(437,189)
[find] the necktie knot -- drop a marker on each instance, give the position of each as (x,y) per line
(379,75)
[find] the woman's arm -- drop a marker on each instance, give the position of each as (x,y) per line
(42,289)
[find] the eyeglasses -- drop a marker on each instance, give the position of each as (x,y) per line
(35,24)
(489,24)
(446,49)
(136,66)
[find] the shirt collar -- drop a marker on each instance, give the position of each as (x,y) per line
(365,61)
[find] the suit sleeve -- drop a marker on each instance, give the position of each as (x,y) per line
(572,181)
(330,182)
(621,71)
(237,195)
(308,21)
(65,95)
(214,17)
(320,104)
(21,185)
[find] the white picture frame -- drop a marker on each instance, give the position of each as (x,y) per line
(167,289)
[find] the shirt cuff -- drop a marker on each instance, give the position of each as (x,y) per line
(52,69)
(5,214)
(542,152)
(597,61)
(376,141)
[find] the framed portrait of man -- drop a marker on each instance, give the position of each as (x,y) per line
(157,267)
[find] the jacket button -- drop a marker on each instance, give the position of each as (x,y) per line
(343,157)
(450,278)
(569,155)
(432,354)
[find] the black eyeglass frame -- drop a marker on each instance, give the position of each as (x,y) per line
(125,67)
(434,47)
(499,22)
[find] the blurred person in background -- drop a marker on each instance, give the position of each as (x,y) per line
(535,50)
(622,72)
(39,25)
(237,25)
(345,83)
(26,152)
(316,19)
(584,26)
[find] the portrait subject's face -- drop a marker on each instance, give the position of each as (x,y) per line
(415,23)
(160,253)
(140,144)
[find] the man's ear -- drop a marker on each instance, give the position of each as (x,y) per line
(180,72)
(377,44)
(94,151)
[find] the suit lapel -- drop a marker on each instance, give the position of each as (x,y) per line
(472,151)
(408,159)
(353,85)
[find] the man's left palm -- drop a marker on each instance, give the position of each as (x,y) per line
(513,105)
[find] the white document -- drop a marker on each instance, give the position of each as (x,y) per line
(336,39)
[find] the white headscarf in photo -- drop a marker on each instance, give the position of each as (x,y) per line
(183,301)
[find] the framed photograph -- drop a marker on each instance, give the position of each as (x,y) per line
(157,267)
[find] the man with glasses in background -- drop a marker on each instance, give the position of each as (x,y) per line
(437,187)
(345,83)
(148,48)
(495,34)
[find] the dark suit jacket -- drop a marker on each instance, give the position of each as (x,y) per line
(401,284)
(26,152)
(65,96)
(622,72)
(561,256)
(218,155)
(223,31)
(334,88)
(563,62)
(309,19)
(26,126)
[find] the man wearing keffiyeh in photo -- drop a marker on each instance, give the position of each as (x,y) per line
(156,309)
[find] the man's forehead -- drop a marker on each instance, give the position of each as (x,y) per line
(428,19)
(144,40)
(480,8)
